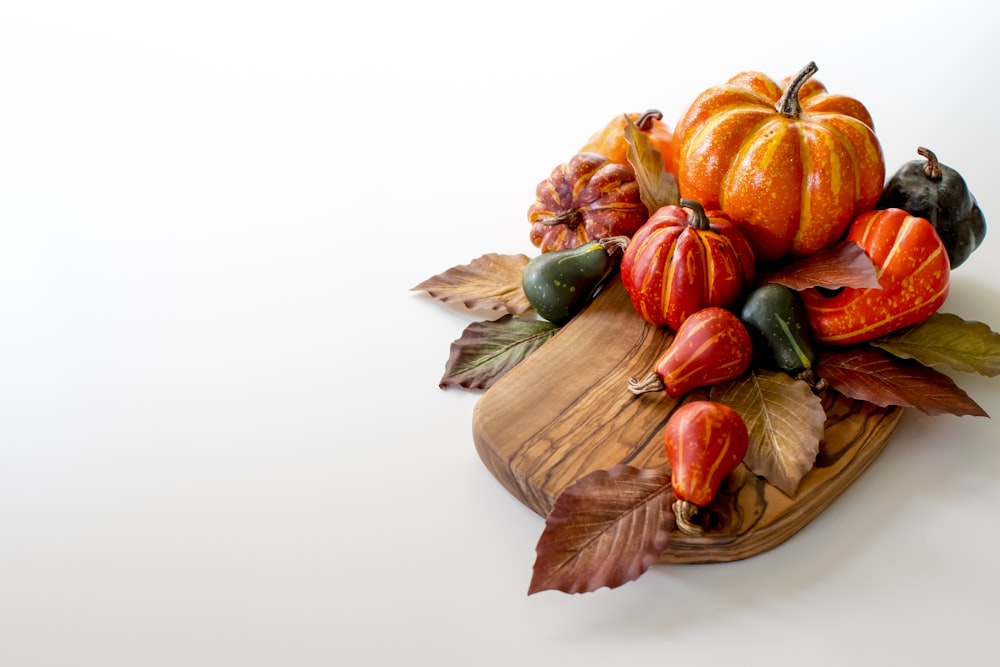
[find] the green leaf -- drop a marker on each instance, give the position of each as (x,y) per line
(657,186)
(947,339)
(785,420)
(487,350)
(605,529)
(868,374)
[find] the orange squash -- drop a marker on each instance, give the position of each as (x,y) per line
(791,164)
(610,140)
(913,272)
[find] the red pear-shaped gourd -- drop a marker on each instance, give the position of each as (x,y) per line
(705,441)
(711,346)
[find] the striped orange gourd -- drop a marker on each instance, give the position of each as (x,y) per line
(913,271)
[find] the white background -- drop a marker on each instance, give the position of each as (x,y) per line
(221,436)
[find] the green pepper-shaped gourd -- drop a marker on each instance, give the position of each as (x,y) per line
(559,283)
(776,319)
(938,193)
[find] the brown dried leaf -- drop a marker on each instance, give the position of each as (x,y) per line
(868,374)
(785,420)
(843,265)
(491,282)
(487,350)
(947,339)
(657,186)
(605,529)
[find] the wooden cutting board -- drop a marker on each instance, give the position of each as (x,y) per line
(565,411)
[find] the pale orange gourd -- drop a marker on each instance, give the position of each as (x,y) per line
(610,140)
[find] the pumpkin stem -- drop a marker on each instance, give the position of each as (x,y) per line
(932,169)
(700,219)
(789,104)
(645,121)
(571,218)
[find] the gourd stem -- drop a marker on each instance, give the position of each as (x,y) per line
(611,244)
(645,122)
(686,518)
(789,104)
(816,383)
(700,219)
(571,218)
(932,169)
(650,383)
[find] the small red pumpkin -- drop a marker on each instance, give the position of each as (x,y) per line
(684,259)
(585,199)
(913,270)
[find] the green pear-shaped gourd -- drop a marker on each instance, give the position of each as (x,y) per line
(559,283)
(776,319)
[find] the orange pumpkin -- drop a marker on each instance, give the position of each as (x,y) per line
(791,164)
(610,140)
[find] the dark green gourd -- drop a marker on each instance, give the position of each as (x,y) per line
(939,194)
(776,319)
(559,283)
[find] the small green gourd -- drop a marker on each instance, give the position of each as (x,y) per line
(559,283)
(776,319)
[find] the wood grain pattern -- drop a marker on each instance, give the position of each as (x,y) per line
(566,411)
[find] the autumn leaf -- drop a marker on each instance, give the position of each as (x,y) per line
(947,339)
(868,374)
(657,186)
(605,529)
(843,265)
(785,420)
(487,350)
(491,282)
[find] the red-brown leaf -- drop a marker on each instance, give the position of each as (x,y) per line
(605,529)
(868,374)
(843,265)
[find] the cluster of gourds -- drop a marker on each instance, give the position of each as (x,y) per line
(767,172)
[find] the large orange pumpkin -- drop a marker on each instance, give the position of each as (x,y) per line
(791,164)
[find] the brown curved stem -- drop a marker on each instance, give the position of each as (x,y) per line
(933,168)
(816,383)
(571,218)
(700,219)
(686,517)
(789,104)
(611,244)
(645,122)
(648,384)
